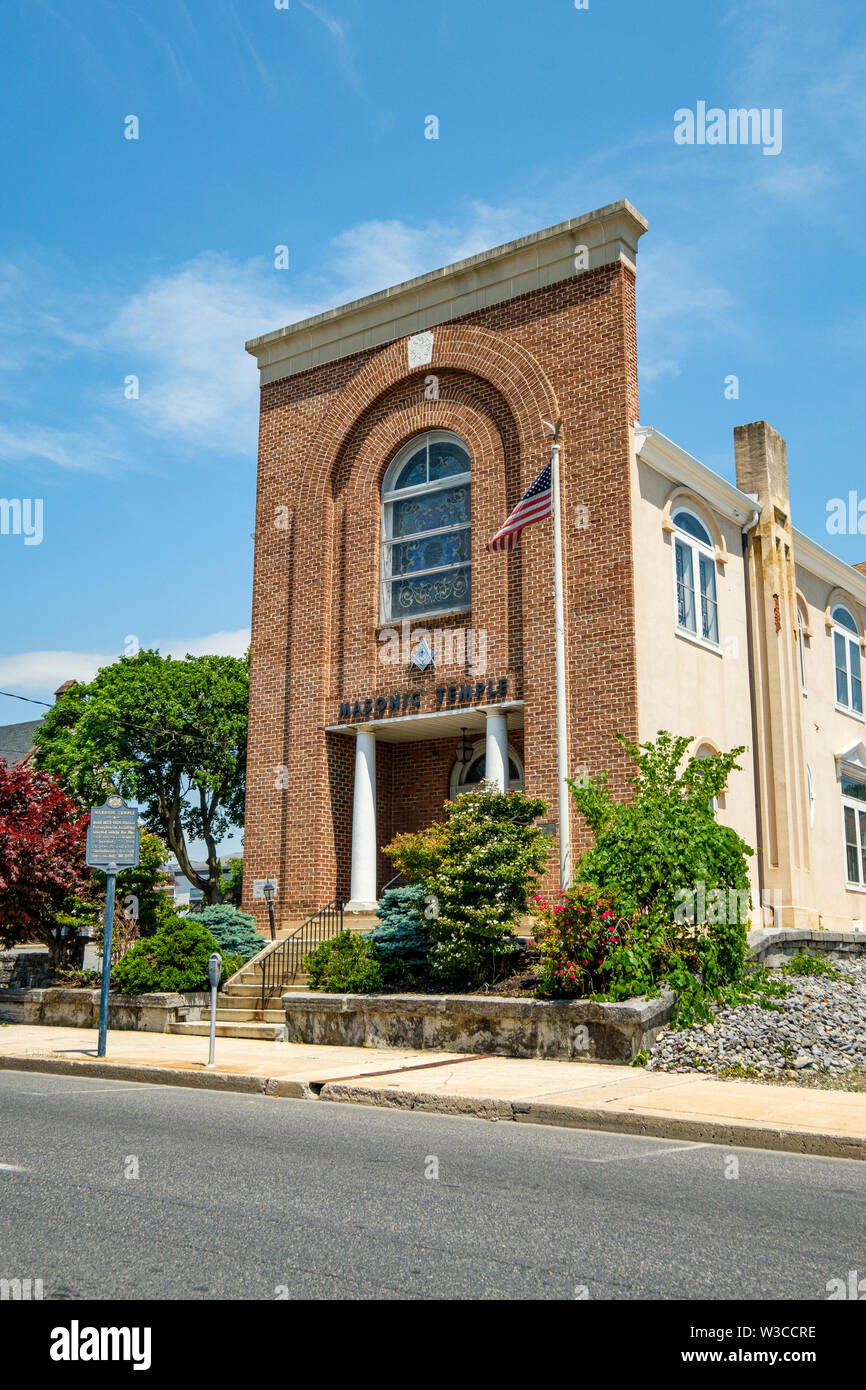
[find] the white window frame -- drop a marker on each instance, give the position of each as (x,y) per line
(694,549)
(390,496)
(801,649)
(858,808)
(850,639)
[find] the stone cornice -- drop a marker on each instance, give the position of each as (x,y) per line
(532,262)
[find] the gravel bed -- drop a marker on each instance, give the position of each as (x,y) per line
(817,1037)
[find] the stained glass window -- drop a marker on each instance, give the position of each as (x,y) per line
(426,536)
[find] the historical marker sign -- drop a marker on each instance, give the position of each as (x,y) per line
(112,837)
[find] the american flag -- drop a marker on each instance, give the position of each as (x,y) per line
(533,505)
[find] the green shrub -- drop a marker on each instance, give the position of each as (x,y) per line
(805,963)
(173,960)
(402,936)
(230,965)
(235,931)
(675,879)
(347,964)
(479,868)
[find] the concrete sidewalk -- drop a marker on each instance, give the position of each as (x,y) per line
(582,1095)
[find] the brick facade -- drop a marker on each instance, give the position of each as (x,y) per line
(327,436)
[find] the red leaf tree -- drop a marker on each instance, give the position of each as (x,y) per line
(42,846)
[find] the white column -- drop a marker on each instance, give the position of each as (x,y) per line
(363,889)
(496,763)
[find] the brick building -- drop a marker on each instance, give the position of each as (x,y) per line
(396,434)
(460,367)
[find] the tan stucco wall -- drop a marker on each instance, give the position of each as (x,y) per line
(826,731)
(684,687)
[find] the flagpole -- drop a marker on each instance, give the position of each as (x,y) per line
(561,699)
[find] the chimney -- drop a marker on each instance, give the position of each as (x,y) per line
(762,462)
(784,845)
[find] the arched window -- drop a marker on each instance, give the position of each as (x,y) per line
(425,528)
(846,653)
(801,647)
(706,750)
(695,570)
(465,777)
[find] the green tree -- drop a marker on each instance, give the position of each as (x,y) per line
(145,883)
(232,883)
(665,856)
(169,735)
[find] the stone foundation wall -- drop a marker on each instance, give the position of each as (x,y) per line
(774,946)
(79,1008)
(571,1030)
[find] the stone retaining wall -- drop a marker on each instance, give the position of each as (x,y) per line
(25,969)
(774,946)
(566,1029)
(79,1008)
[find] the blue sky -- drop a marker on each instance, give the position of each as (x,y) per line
(305,127)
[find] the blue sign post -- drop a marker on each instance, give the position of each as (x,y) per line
(112,845)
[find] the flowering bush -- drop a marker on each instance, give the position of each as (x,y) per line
(580,942)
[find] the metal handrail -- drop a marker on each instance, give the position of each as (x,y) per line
(401,874)
(281,965)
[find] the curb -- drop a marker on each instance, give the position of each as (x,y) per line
(731,1134)
(164,1076)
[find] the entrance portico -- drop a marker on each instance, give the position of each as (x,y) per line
(501,765)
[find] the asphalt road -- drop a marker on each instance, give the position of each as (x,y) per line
(258,1198)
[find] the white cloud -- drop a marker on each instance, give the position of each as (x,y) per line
(217,644)
(183,335)
(44,671)
(677,303)
(92,452)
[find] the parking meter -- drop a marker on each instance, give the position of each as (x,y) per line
(214,971)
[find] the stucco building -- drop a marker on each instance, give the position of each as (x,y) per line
(396,434)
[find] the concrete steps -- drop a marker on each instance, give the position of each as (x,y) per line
(250,1016)
(241,1012)
(264,1032)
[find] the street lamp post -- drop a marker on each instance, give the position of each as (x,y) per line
(269,888)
